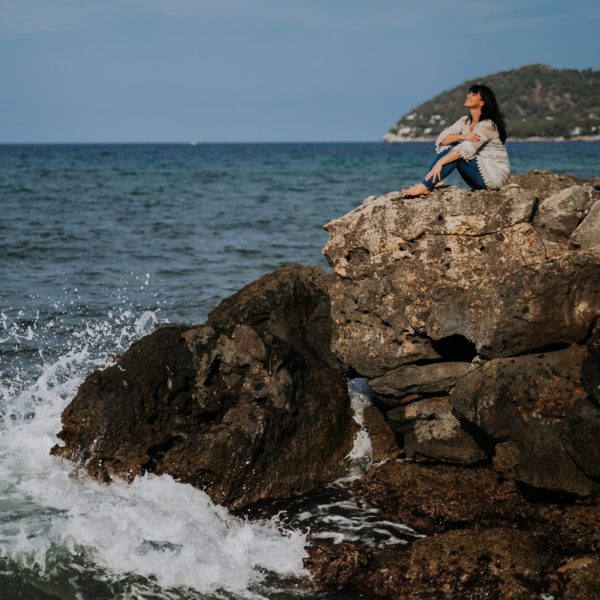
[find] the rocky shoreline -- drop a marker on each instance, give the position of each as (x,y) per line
(475,319)
(393,138)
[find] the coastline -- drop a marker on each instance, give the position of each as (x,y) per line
(392,138)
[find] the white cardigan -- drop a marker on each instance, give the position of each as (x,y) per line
(489,152)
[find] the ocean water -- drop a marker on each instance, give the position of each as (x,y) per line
(99,245)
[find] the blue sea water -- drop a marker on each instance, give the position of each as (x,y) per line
(99,244)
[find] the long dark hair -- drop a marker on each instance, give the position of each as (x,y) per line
(490,108)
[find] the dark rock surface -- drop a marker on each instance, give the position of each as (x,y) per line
(485,539)
(493,563)
(535,416)
(469,313)
(250,405)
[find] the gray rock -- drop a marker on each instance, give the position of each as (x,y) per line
(545,183)
(587,235)
(427,379)
(562,212)
(432,431)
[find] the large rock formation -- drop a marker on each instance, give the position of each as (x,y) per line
(250,405)
(469,313)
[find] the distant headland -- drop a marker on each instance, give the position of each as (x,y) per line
(540,103)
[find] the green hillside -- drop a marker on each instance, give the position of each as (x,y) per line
(536,100)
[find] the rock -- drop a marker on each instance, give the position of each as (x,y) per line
(545,183)
(494,563)
(428,379)
(535,407)
(473,564)
(427,291)
(562,212)
(581,578)
(227,406)
(590,369)
(587,235)
(435,498)
(337,566)
(431,431)
(487,540)
(383,440)
(564,530)
(422,281)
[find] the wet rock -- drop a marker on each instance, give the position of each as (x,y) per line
(580,578)
(337,566)
(432,431)
(473,564)
(227,406)
(383,440)
(493,563)
(564,530)
(534,410)
(434,498)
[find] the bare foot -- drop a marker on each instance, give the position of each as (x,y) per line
(418,189)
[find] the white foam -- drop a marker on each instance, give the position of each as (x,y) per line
(361,455)
(155,528)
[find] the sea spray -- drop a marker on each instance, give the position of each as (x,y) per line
(59,529)
(361,455)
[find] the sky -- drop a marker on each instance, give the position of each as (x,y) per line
(262,70)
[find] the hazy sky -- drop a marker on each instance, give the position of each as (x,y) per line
(262,70)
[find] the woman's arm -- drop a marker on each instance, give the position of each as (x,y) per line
(436,170)
(468,148)
(453,130)
(454,138)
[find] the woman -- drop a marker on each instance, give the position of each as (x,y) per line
(474,145)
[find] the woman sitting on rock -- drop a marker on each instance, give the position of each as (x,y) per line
(474,145)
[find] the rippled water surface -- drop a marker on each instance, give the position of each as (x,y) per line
(99,244)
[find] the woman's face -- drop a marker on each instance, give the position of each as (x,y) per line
(473,100)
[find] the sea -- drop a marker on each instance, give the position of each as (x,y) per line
(99,246)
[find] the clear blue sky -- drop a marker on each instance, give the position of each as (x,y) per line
(262,70)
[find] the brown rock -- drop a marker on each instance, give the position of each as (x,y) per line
(428,379)
(462,565)
(226,406)
(337,566)
(444,276)
(536,408)
(500,563)
(581,578)
(441,497)
(383,440)
(432,431)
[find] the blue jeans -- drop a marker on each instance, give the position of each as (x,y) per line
(468,171)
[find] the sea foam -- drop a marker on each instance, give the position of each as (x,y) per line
(60,525)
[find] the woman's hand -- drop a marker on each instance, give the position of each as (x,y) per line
(471,137)
(436,173)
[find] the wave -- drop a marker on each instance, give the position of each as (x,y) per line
(60,530)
